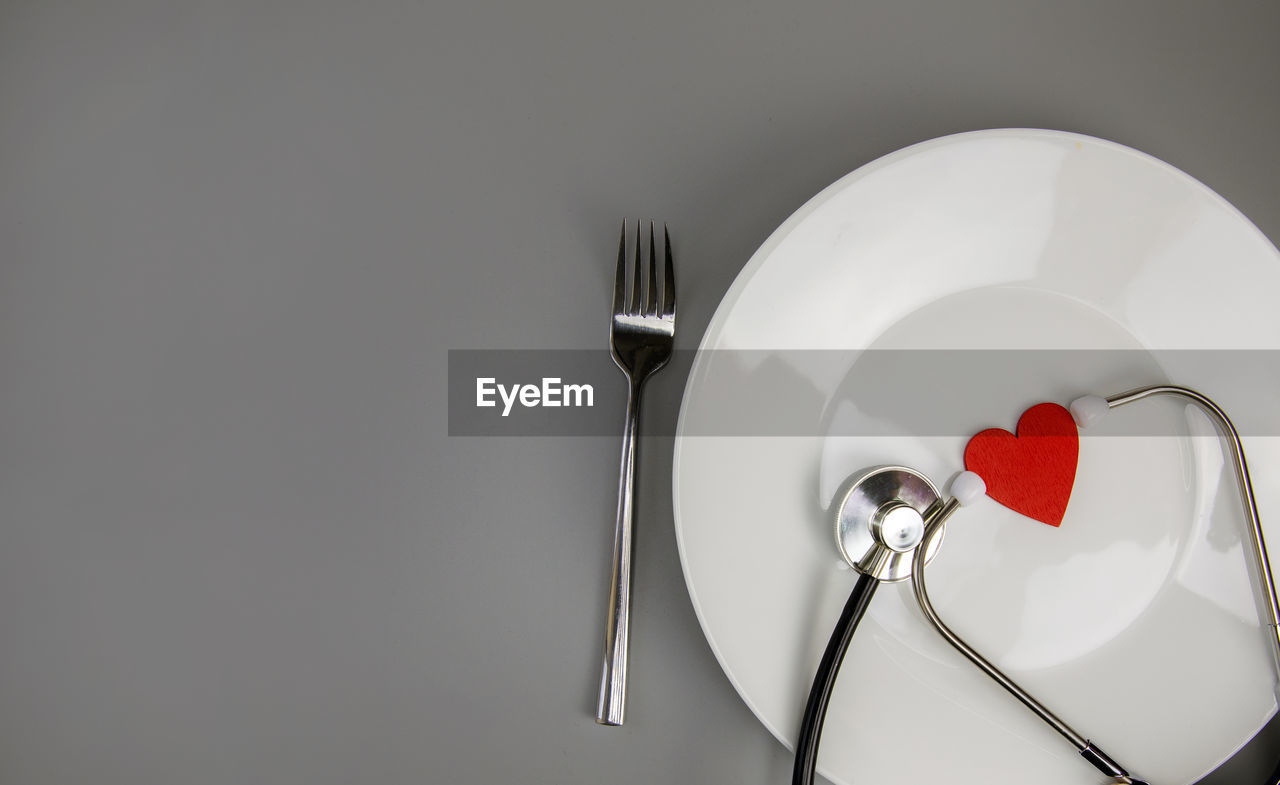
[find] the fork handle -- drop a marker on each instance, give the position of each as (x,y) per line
(613,680)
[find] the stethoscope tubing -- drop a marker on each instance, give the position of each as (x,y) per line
(815,710)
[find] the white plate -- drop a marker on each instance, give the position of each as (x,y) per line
(1134,621)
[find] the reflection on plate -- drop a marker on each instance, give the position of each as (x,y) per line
(1134,621)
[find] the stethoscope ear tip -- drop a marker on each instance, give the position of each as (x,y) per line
(1088,409)
(968,487)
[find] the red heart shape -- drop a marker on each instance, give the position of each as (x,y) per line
(1031,473)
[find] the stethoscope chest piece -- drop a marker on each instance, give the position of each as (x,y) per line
(880,519)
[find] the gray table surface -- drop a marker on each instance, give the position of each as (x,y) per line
(238,239)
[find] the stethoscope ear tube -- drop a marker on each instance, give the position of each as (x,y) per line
(1263,580)
(1087,749)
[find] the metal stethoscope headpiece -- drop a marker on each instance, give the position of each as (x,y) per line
(889,524)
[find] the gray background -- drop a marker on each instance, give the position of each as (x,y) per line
(237,240)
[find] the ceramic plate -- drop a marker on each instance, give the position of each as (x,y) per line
(1135,620)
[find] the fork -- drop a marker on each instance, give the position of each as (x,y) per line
(641,335)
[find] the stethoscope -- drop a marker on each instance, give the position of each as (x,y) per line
(887,524)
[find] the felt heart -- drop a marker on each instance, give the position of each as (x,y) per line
(1031,473)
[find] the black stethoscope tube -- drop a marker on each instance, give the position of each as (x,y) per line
(815,710)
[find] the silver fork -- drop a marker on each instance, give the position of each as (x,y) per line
(641,335)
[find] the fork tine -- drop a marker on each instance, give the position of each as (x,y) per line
(669,279)
(620,277)
(651,286)
(636,271)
